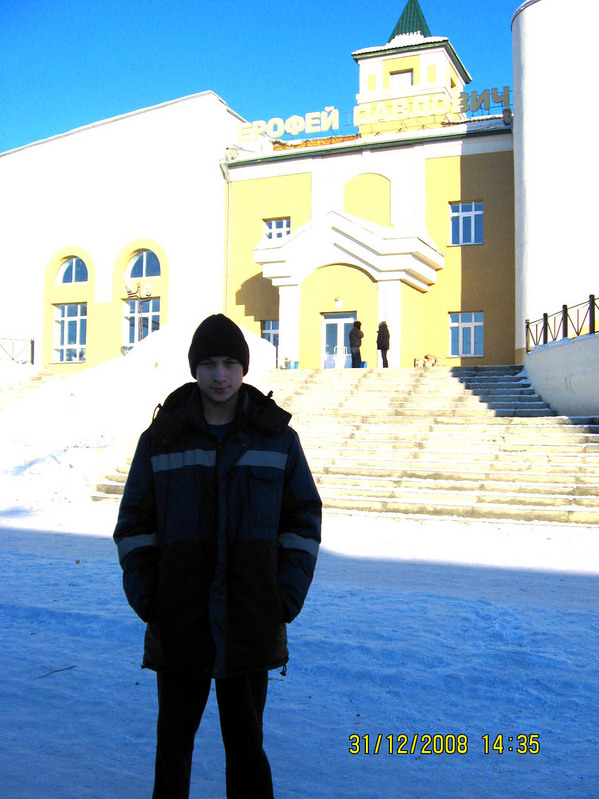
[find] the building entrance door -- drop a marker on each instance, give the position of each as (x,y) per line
(336,353)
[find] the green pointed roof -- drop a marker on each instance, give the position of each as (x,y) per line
(411,21)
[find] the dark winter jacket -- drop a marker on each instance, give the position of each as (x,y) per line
(382,337)
(355,337)
(218,540)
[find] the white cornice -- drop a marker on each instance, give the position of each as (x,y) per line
(385,253)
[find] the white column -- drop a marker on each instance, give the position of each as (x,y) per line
(289,323)
(556,205)
(390,312)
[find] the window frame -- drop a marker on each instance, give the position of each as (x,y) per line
(472,325)
(62,324)
(74,263)
(133,309)
(269,330)
(469,216)
(401,79)
(132,264)
(272,231)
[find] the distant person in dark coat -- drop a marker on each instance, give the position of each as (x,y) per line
(355,339)
(382,342)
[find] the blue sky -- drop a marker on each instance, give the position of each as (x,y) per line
(67,63)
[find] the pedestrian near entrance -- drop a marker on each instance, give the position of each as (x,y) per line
(218,535)
(382,342)
(355,340)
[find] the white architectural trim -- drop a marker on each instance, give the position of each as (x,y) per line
(289,324)
(385,253)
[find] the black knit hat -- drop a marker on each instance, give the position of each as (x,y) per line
(218,336)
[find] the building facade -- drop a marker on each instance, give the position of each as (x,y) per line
(175,212)
(114,230)
(411,221)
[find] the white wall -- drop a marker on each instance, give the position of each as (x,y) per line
(555,156)
(151,174)
(566,375)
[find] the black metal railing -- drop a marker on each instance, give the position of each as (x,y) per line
(17,349)
(570,322)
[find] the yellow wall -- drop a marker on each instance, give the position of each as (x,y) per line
(104,319)
(251,298)
(475,277)
(369,197)
(319,290)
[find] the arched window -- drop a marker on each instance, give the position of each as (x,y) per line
(72,270)
(143,264)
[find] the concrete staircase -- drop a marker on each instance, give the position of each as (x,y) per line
(465,442)
(21,388)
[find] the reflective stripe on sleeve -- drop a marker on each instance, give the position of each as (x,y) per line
(127,545)
(294,541)
(259,457)
(177,460)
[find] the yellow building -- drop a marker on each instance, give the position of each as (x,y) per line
(411,221)
(185,209)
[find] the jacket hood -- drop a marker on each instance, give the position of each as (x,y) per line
(183,409)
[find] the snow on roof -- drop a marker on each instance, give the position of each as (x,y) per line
(403,40)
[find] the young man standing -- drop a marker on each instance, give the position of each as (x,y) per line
(218,535)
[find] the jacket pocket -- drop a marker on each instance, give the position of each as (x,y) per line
(265,491)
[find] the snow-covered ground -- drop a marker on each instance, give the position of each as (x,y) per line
(413,627)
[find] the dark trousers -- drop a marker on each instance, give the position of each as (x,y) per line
(356,360)
(384,357)
(181,702)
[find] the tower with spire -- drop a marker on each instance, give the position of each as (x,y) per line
(411,21)
(414,81)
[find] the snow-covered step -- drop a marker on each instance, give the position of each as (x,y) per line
(463,483)
(568,514)
(462,442)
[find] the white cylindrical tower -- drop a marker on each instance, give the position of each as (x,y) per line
(556,157)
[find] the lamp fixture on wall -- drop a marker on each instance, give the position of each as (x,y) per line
(137,292)
(338,303)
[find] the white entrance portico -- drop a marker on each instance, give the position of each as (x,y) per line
(389,255)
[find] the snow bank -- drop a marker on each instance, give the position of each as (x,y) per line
(68,432)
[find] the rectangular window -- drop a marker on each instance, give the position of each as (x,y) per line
(141,317)
(70,332)
(277,228)
(400,80)
(466,335)
(270,331)
(466,220)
